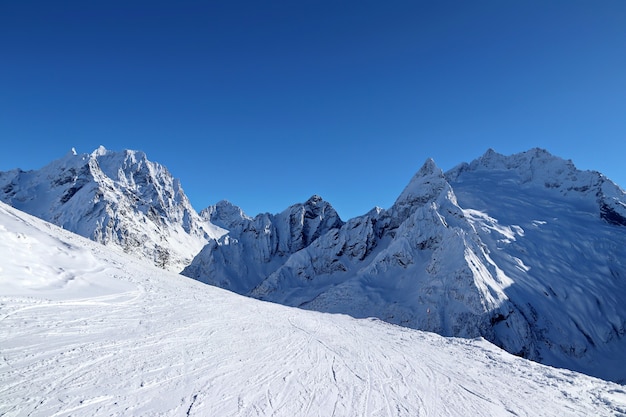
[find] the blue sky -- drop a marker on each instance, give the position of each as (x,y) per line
(266,103)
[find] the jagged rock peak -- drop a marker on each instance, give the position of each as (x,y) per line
(111,162)
(425,185)
(319,206)
(125,154)
(222,205)
(316,216)
(314,207)
(534,165)
(492,157)
(101,150)
(533,159)
(224,214)
(429,168)
(314,200)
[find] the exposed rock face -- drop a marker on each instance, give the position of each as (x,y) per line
(254,248)
(115,198)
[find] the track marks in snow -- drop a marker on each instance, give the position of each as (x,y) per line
(237,357)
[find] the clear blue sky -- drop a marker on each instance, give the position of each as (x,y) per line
(266,103)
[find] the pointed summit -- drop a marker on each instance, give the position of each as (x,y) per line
(490,155)
(429,168)
(224,214)
(100,151)
(425,185)
(314,200)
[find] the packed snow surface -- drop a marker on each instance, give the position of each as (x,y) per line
(86,331)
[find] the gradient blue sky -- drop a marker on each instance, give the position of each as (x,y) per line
(266,103)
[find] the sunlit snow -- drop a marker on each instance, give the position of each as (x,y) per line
(87,331)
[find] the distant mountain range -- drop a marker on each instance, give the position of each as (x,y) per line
(524,250)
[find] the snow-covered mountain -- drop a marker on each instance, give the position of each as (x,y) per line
(523,250)
(115,198)
(87,331)
(559,235)
(254,248)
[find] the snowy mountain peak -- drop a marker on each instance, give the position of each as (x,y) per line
(429,168)
(427,183)
(533,165)
(308,221)
(254,248)
(540,170)
(101,150)
(317,207)
(224,214)
(314,200)
(115,198)
(492,159)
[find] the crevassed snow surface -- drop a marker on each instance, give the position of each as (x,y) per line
(87,331)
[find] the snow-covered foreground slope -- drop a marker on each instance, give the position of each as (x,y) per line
(87,331)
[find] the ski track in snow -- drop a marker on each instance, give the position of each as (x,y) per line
(149,342)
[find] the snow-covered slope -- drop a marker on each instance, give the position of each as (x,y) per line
(481,264)
(115,198)
(88,331)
